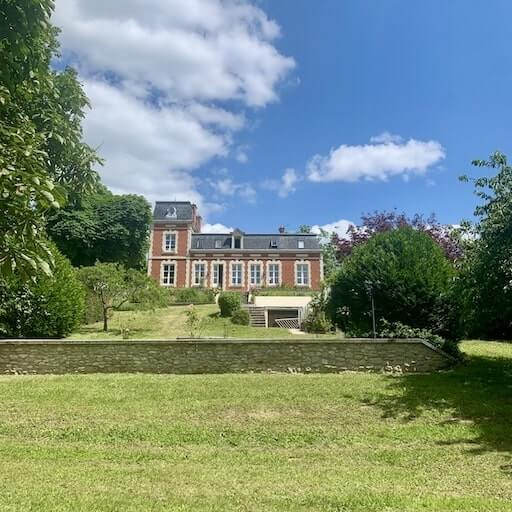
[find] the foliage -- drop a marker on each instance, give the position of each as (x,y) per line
(304,228)
(192,295)
(329,254)
(114,286)
(283,291)
(229,302)
(103,227)
(41,150)
(193,320)
(447,237)
(241,317)
(316,320)
(401,331)
(409,277)
(486,274)
(46,306)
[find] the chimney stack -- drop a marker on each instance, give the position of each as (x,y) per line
(282,230)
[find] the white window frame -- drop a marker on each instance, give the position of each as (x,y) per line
(280,271)
(195,265)
(308,265)
(231,265)
(215,283)
(164,241)
(162,273)
(300,244)
(255,264)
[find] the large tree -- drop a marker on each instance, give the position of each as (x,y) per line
(103,227)
(41,150)
(486,277)
(408,276)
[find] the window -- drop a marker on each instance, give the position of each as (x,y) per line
(255,274)
(236,274)
(199,274)
(199,244)
(302,274)
(216,275)
(300,244)
(218,244)
(170,242)
(273,244)
(168,274)
(273,274)
(237,243)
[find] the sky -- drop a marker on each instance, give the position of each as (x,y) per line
(291,112)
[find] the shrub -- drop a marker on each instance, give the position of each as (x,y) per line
(409,278)
(192,295)
(283,291)
(316,322)
(229,302)
(47,307)
(241,317)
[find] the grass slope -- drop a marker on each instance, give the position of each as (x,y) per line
(349,442)
(170,322)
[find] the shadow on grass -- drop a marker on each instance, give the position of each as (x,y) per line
(478,392)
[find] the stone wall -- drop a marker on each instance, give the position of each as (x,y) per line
(218,356)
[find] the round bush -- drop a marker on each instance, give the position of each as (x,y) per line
(48,307)
(241,317)
(410,280)
(316,322)
(229,302)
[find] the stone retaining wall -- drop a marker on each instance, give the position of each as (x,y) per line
(218,356)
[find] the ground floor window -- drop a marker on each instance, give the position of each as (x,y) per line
(236,274)
(302,274)
(199,274)
(169,274)
(255,274)
(217,274)
(273,274)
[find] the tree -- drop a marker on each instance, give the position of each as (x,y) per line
(408,276)
(446,237)
(41,150)
(44,306)
(304,228)
(486,274)
(114,286)
(103,227)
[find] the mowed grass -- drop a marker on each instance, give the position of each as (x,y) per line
(171,322)
(269,442)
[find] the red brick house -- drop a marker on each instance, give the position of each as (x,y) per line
(181,256)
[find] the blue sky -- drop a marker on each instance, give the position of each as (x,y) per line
(311,77)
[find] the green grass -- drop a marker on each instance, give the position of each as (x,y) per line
(271,442)
(170,322)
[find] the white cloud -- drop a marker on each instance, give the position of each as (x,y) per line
(339,227)
(286,185)
(387,155)
(227,187)
(168,81)
(216,228)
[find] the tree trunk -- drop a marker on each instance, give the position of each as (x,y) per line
(105,320)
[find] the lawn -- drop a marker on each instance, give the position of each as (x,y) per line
(270,442)
(170,322)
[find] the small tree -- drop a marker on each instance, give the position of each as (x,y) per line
(113,286)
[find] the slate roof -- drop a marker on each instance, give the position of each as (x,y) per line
(171,211)
(261,242)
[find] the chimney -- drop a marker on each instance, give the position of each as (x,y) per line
(282,230)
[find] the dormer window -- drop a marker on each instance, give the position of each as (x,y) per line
(218,244)
(237,243)
(199,244)
(300,244)
(273,244)
(171,213)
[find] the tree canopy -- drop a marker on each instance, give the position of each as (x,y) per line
(41,150)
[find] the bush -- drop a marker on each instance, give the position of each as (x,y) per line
(409,277)
(399,330)
(192,295)
(283,291)
(48,307)
(229,302)
(241,317)
(316,322)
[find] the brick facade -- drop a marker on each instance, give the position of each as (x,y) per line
(184,257)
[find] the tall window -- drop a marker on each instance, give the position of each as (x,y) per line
(168,274)
(236,274)
(170,242)
(199,274)
(273,274)
(255,274)
(216,275)
(302,274)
